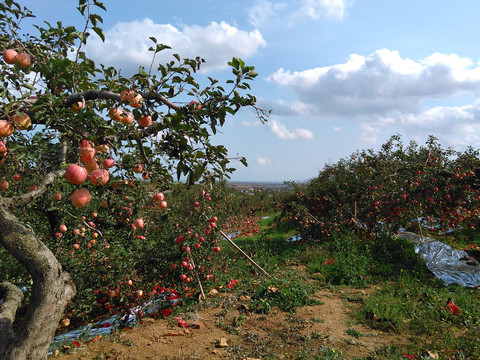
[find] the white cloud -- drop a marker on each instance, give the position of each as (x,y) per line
(127,44)
(379,84)
(262,11)
(369,133)
(263,161)
(454,126)
(283,133)
(337,128)
(251,123)
(281,107)
(316,9)
(388,94)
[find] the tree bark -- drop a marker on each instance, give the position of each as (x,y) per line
(51,290)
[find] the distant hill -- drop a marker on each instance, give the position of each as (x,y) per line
(252,185)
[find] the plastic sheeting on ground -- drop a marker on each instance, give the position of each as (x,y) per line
(106,327)
(449,265)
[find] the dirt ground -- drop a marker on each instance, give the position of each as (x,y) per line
(228,330)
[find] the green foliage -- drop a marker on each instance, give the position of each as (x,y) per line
(410,304)
(323,353)
(351,260)
(388,190)
(114,261)
(286,293)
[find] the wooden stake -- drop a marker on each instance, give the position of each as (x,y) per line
(240,250)
(420,227)
(198,277)
(243,253)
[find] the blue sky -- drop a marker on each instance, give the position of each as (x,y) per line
(338,75)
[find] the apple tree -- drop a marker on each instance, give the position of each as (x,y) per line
(396,187)
(67,121)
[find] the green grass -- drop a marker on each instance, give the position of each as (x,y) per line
(408,299)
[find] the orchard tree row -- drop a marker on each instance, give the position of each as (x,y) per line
(397,187)
(166,245)
(86,157)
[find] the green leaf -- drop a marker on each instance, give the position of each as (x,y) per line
(241,63)
(99,32)
(153,39)
(100,5)
(82,8)
(94,18)
(198,173)
(234,63)
(161,47)
(81,36)
(28,86)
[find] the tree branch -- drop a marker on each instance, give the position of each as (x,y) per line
(110,95)
(162,99)
(13,297)
(32,195)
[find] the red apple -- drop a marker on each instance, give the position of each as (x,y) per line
(4,184)
(138,168)
(80,198)
(91,165)
(23,121)
(76,107)
(99,176)
(87,153)
(10,56)
(139,223)
(145,120)
(115,114)
(108,163)
(103,148)
(23,60)
(158,197)
(6,128)
(76,174)
(127,118)
(3,148)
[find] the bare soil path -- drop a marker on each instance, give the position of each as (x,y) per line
(227,330)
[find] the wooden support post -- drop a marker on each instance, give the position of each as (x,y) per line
(243,253)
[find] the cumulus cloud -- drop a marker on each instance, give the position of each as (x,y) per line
(316,9)
(281,107)
(262,11)
(378,84)
(456,126)
(283,133)
(263,161)
(127,44)
(251,123)
(383,91)
(294,12)
(369,133)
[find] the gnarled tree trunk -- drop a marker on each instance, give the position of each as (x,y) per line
(52,289)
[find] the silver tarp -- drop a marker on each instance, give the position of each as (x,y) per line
(449,265)
(105,327)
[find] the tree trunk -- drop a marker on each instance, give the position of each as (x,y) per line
(52,289)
